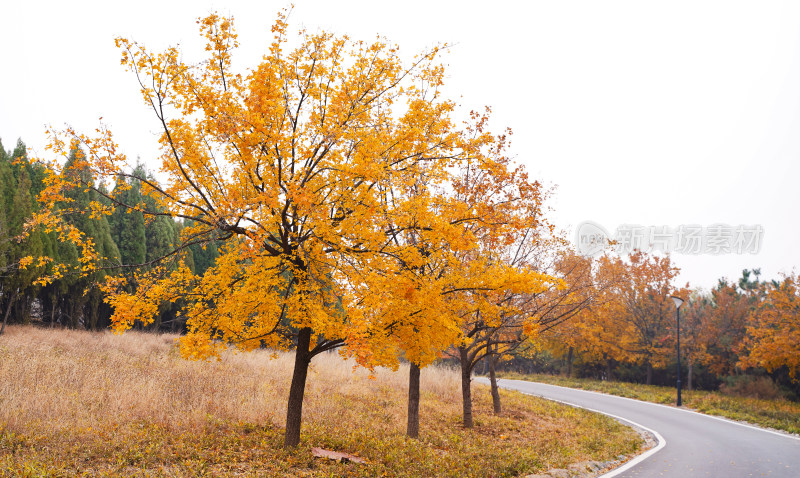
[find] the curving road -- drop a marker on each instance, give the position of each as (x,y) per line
(691,444)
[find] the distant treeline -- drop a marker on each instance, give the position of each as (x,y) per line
(122,238)
(740,337)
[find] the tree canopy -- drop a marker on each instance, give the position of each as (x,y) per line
(335,182)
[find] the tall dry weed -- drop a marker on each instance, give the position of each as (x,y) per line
(57,380)
(74,403)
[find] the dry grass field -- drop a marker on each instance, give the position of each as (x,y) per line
(76,403)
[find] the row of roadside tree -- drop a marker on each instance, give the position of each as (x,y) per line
(348,207)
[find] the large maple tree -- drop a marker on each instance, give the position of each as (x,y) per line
(327,174)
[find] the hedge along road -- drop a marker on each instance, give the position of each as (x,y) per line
(690,444)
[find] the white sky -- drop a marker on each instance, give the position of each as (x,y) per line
(651,113)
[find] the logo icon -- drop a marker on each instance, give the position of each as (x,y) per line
(591,238)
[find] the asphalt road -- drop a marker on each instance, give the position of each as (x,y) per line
(691,444)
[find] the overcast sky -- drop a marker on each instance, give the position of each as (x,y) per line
(649,113)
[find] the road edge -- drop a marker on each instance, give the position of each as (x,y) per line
(660,441)
(741,423)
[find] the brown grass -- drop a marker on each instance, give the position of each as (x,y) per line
(100,404)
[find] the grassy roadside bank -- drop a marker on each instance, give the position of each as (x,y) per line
(95,404)
(778,414)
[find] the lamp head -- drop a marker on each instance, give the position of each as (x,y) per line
(677,300)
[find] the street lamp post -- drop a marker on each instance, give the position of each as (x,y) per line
(678,302)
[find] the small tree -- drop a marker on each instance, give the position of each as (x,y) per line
(507,243)
(575,289)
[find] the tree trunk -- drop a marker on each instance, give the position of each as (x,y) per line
(413,401)
(8,311)
(22,307)
(466,387)
(609,369)
(53,314)
(569,362)
(294,413)
(649,374)
(689,376)
(493,381)
(93,312)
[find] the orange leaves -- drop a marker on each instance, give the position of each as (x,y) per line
(194,346)
(347,199)
(154,287)
(628,315)
(24,262)
(773,339)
